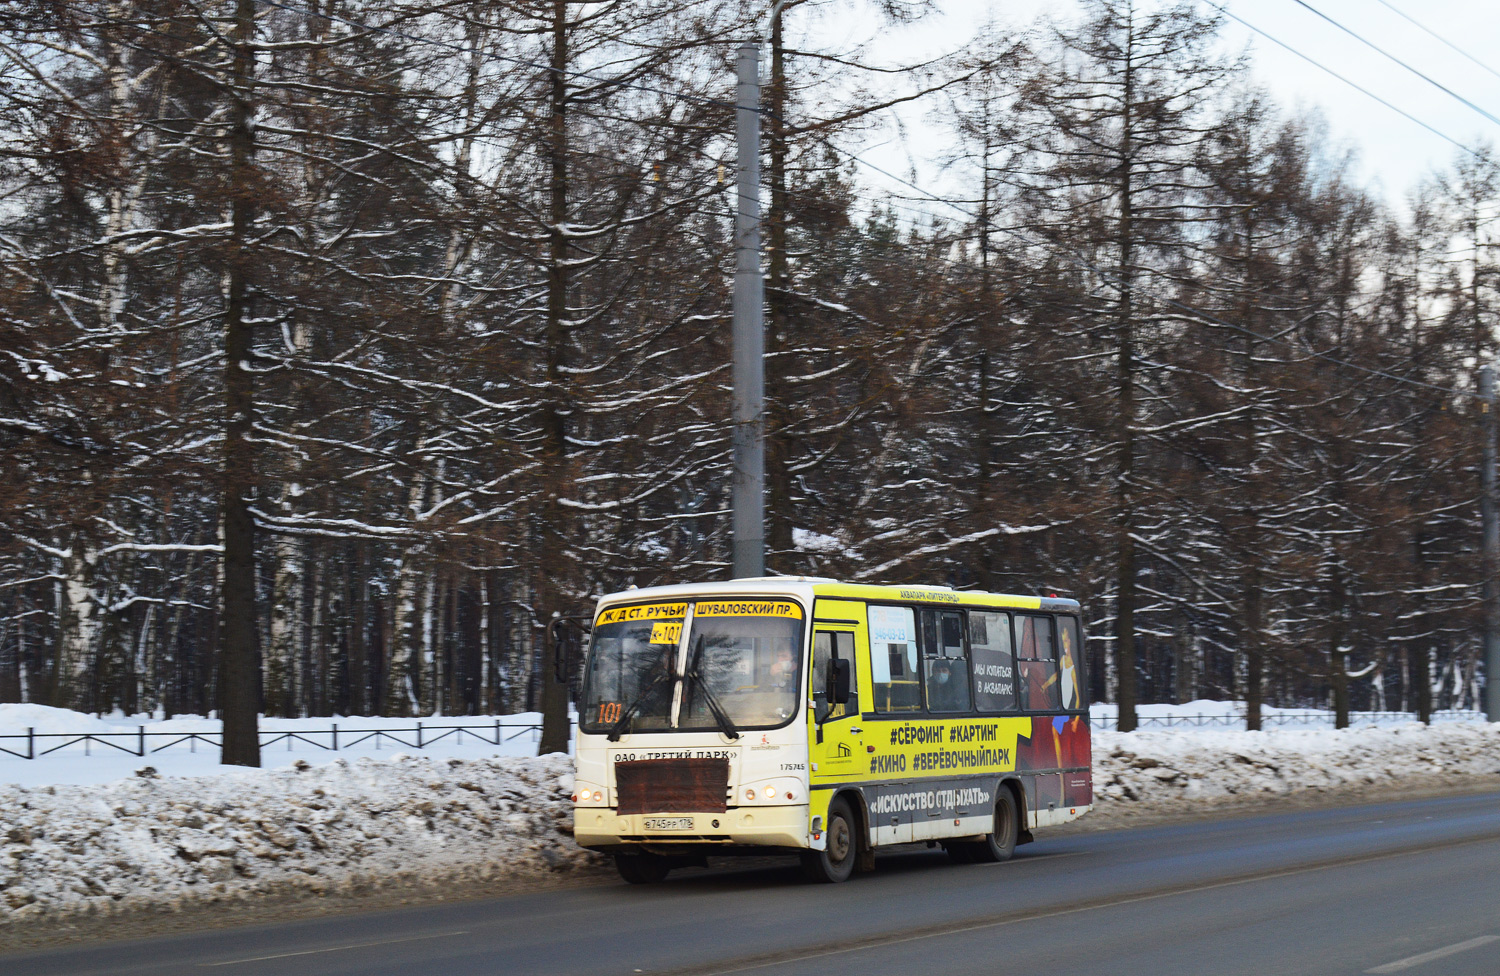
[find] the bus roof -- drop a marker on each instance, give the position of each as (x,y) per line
(809,587)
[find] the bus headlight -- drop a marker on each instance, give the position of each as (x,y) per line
(749,794)
(770,792)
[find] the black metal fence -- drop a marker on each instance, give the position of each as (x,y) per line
(1323,720)
(32,744)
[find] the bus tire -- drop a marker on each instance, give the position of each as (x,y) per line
(642,868)
(1000,843)
(835,863)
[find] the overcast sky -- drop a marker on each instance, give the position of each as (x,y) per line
(1394,152)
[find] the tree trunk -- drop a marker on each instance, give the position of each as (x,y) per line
(779,514)
(1253,649)
(401,691)
(1338,658)
(1423,682)
(1125,567)
(138,689)
(1253,628)
(356,654)
(239,665)
(10,657)
(79,630)
(554,693)
(429,660)
(280,670)
(320,667)
(1185,675)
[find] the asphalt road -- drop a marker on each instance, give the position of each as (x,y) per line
(1404,887)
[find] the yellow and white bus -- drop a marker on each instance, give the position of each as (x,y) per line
(796,714)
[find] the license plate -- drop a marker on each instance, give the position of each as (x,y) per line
(669,823)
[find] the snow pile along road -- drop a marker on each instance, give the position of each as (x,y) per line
(342,828)
(1172,772)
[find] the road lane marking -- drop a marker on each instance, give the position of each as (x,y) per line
(1033,858)
(1453,950)
(880,943)
(337,948)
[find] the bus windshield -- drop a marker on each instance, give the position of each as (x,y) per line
(744,655)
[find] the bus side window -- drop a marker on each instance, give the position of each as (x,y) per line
(893,659)
(1036,659)
(834,644)
(944,663)
(994,662)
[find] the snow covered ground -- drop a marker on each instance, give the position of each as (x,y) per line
(171,750)
(345,825)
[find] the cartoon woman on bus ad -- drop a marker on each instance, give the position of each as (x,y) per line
(1049,684)
(1068,671)
(1057,742)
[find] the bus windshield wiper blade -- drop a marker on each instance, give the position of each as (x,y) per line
(709,698)
(621,726)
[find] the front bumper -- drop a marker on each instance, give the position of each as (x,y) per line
(753,827)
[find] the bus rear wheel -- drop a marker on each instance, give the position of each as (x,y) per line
(1000,843)
(642,868)
(836,861)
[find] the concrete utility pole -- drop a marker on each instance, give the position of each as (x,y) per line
(1491,563)
(749,331)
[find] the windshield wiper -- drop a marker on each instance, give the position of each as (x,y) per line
(709,698)
(624,723)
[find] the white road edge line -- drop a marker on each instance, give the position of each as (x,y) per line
(1453,950)
(338,948)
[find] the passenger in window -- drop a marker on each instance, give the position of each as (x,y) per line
(947,691)
(782,669)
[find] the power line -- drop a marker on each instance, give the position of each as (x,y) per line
(1374,47)
(1317,64)
(1430,32)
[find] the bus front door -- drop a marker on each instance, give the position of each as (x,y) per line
(837,741)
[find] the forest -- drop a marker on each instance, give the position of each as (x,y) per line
(347,344)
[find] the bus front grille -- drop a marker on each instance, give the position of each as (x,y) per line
(672,785)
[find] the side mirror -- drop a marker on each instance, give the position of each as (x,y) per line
(566,635)
(838,681)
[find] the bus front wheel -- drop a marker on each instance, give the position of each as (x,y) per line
(836,861)
(642,868)
(1000,843)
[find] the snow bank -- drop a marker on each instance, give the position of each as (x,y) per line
(334,829)
(19,717)
(1168,772)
